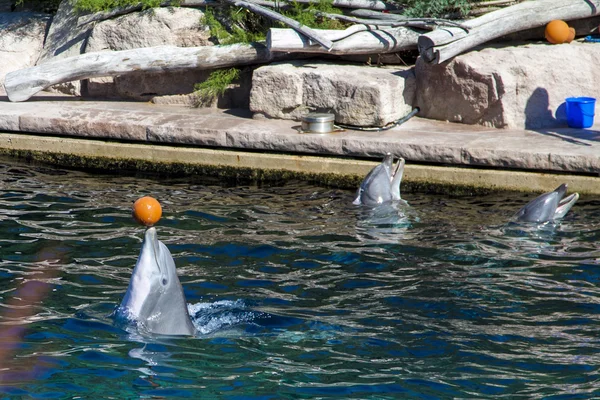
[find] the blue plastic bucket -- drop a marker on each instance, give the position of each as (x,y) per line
(580,111)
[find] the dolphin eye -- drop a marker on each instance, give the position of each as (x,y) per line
(164,281)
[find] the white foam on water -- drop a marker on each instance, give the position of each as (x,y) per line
(223,314)
(194,308)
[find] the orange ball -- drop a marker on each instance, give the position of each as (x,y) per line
(147,210)
(557,31)
(571,35)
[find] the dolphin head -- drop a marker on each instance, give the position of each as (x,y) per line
(154,297)
(382,183)
(548,207)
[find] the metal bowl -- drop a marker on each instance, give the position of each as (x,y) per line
(318,123)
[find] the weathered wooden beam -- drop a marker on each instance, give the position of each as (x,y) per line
(22,84)
(371,14)
(494,3)
(421,23)
(443,44)
(358,39)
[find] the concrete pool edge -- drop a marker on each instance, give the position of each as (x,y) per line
(342,172)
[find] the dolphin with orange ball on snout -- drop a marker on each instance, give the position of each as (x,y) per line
(154,299)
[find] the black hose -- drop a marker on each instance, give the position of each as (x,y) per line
(385,128)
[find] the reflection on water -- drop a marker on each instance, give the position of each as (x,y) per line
(296,293)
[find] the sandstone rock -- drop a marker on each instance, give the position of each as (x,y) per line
(154,27)
(21,41)
(65,39)
(357,95)
(180,27)
(143,86)
(509,87)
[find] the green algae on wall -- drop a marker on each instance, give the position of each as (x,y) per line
(228,175)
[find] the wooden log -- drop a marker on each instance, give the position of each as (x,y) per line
(484,10)
(494,3)
(358,39)
(22,84)
(421,23)
(443,44)
(378,15)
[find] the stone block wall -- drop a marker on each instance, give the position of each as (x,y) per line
(512,87)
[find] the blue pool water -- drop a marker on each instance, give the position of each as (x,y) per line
(296,293)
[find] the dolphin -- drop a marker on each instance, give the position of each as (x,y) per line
(154,297)
(548,207)
(381,185)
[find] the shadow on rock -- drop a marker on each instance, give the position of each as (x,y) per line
(540,118)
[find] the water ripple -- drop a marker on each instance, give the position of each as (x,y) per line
(296,292)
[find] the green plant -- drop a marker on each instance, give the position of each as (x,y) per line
(242,26)
(105,5)
(237,25)
(216,84)
(435,8)
(306,14)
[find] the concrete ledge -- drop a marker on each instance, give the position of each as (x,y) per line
(341,172)
(564,150)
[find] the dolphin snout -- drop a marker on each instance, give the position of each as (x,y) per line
(562,190)
(151,235)
(151,240)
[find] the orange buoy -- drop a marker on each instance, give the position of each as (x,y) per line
(147,210)
(571,35)
(557,31)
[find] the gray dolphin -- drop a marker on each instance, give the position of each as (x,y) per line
(154,297)
(381,185)
(548,207)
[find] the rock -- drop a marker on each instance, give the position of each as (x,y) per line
(143,86)
(21,41)
(65,39)
(172,26)
(180,27)
(357,95)
(509,87)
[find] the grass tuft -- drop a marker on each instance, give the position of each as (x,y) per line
(216,84)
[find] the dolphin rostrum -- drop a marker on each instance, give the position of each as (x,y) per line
(547,207)
(381,185)
(154,297)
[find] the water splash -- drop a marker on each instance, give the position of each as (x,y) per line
(209,318)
